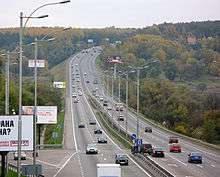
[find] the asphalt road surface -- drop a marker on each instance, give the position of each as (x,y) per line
(176,163)
(82,112)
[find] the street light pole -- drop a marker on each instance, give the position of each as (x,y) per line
(126,123)
(119,88)
(35,102)
(138,87)
(20,95)
(7,64)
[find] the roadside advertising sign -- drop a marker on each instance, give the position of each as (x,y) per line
(9,133)
(59,84)
(39,63)
(45,114)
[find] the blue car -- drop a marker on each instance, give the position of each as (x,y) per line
(195,157)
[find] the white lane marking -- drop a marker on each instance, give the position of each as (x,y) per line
(71,107)
(213,166)
(199,166)
(63,161)
(73,125)
(43,162)
(64,164)
(176,159)
(172,164)
(112,140)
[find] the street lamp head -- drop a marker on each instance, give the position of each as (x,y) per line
(63,2)
(43,16)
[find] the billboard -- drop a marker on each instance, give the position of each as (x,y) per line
(45,114)
(39,63)
(9,133)
(59,84)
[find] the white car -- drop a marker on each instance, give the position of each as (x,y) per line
(101,98)
(91,149)
(74,95)
(109,108)
(23,155)
(80,93)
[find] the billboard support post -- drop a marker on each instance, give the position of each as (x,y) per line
(3,163)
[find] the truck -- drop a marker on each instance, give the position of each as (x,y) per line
(108,170)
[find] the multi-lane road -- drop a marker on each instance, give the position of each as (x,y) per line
(73,160)
(175,163)
(82,112)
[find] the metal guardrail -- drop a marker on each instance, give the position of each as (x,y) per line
(151,166)
(12,167)
(49,146)
(188,138)
(197,141)
(142,160)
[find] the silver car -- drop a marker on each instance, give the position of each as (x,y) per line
(91,149)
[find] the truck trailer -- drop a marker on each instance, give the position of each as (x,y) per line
(108,170)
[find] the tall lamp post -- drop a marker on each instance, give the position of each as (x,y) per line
(20,74)
(138,69)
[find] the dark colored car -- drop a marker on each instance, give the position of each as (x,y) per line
(195,157)
(158,152)
(146,148)
(175,147)
(102,140)
(87,81)
(105,103)
(120,118)
(121,159)
(95,81)
(148,129)
(92,122)
(81,125)
(97,131)
(173,139)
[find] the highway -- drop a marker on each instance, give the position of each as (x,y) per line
(175,163)
(82,112)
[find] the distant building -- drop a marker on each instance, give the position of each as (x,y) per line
(191,39)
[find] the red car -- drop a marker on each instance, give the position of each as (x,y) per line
(175,148)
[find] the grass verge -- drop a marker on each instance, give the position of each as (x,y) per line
(54,133)
(11,173)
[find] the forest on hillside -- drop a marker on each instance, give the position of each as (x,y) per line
(174,90)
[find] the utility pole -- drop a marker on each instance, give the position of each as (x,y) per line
(126,123)
(35,103)
(119,88)
(20,95)
(7,64)
(138,87)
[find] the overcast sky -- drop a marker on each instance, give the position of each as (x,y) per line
(105,13)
